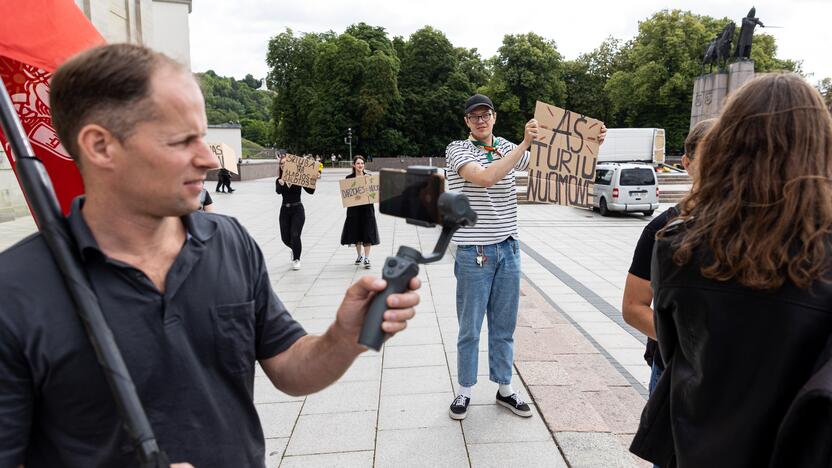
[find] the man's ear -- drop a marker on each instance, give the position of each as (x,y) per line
(95,143)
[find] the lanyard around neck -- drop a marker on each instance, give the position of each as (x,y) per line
(491,150)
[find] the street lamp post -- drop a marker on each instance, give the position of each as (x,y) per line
(348,140)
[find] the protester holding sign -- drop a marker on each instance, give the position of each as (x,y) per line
(360,227)
(292,215)
(224,181)
(487,265)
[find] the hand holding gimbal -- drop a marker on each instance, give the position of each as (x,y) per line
(454,211)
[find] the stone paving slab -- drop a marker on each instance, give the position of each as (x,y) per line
(519,454)
(362,459)
(333,433)
(423,447)
(390,409)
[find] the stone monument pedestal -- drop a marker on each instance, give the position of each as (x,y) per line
(710,90)
(739,73)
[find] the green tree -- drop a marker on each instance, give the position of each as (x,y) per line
(825,88)
(654,86)
(527,68)
(229,100)
(764,54)
(291,60)
(251,82)
(328,83)
(587,76)
(433,88)
(472,65)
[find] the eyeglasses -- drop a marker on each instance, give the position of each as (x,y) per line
(480,118)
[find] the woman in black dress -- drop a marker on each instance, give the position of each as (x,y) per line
(360,227)
(292,215)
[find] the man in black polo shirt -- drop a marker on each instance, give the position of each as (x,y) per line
(638,297)
(126,113)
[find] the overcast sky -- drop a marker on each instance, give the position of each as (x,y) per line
(232,37)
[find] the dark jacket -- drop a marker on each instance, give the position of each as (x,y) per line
(736,359)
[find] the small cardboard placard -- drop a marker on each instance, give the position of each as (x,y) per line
(357,191)
(300,171)
(563,158)
(228,159)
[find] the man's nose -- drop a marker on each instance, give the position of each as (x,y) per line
(204,157)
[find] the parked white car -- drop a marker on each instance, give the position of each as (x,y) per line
(625,187)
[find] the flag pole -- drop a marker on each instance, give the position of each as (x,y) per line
(37,187)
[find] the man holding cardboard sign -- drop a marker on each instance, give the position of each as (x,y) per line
(487,265)
(562,167)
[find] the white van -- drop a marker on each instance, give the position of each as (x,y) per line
(625,187)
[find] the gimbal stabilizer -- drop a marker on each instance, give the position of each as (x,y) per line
(398,270)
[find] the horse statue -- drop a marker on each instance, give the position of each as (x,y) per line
(719,50)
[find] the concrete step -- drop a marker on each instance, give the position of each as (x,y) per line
(669,178)
(670,199)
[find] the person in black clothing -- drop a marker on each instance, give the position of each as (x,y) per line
(742,284)
(292,215)
(360,227)
(224,180)
(638,297)
(186,294)
(205,202)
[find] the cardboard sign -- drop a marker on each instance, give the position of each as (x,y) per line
(357,191)
(228,159)
(562,166)
(300,171)
(372,188)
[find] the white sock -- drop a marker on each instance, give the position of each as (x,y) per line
(506,390)
(465,391)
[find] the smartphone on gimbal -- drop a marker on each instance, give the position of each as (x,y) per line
(412,194)
(417,194)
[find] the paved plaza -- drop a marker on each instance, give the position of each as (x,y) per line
(576,359)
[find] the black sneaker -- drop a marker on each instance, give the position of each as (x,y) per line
(367,263)
(358,260)
(459,408)
(515,404)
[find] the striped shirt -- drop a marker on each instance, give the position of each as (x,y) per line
(496,206)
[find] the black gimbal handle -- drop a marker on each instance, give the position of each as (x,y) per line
(398,271)
(404,266)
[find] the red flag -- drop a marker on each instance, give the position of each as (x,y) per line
(36,36)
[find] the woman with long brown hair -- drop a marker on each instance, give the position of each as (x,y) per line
(743,297)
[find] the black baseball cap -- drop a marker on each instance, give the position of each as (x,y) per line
(478,100)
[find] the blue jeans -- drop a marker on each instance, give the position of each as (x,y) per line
(655,374)
(491,290)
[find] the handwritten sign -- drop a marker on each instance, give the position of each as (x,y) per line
(300,171)
(228,159)
(562,166)
(357,191)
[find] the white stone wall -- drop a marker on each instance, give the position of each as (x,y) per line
(121,20)
(171,31)
(161,24)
